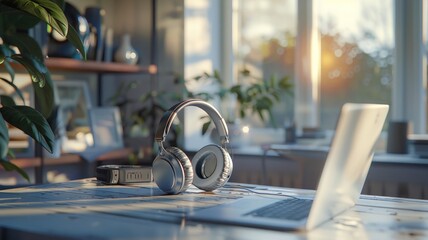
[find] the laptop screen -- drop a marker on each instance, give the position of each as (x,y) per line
(348,161)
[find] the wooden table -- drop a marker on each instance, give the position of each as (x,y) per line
(86,209)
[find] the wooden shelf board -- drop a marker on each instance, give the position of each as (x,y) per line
(68,64)
(74,65)
(26,162)
(71,158)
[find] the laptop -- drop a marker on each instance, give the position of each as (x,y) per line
(339,187)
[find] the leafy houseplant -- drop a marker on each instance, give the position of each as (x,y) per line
(257,97)
(16,18)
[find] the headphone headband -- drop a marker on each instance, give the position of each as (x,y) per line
(169,116)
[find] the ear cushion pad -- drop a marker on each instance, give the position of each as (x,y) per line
(213,167)
(185,163)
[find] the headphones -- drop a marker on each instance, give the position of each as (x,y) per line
(210,168)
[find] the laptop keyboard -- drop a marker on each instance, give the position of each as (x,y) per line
(290,209)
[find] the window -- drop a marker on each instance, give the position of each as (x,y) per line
(358,51)
(357,43)
(265,35)
(356,40)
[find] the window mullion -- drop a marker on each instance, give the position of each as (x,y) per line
(408,96)
(307,65)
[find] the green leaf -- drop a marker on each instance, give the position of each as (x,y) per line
(276,96)
(7,101)
(236,90)
(242,113)
(207,75)
(26,44)
(11,154)
(60,3)
(9,166)
(34,66)
(6,53)
(285,84)
(46,10)
(13,18)
(30,122)
(217,76)
(2,57)
(196,78)
(205,127)
(245,72)
(54,120)
(264,103)
(254,90)
(74,38)
(222,93)
(272,81)
(6,50)
(9,70)
(42,82)
(4,137)
(45,97)
(14,87)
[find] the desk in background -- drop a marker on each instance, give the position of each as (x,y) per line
(398,175)
(85,209)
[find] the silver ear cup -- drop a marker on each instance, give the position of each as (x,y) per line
(212,167)
(172,171)
(187,166)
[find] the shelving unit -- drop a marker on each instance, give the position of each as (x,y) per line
(79,66)
(102,70)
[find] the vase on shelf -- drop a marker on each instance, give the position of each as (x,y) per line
(126,53)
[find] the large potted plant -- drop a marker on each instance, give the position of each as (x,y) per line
(16,46)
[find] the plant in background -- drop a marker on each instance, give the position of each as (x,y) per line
(142,121)
(257,97)
(16,46)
